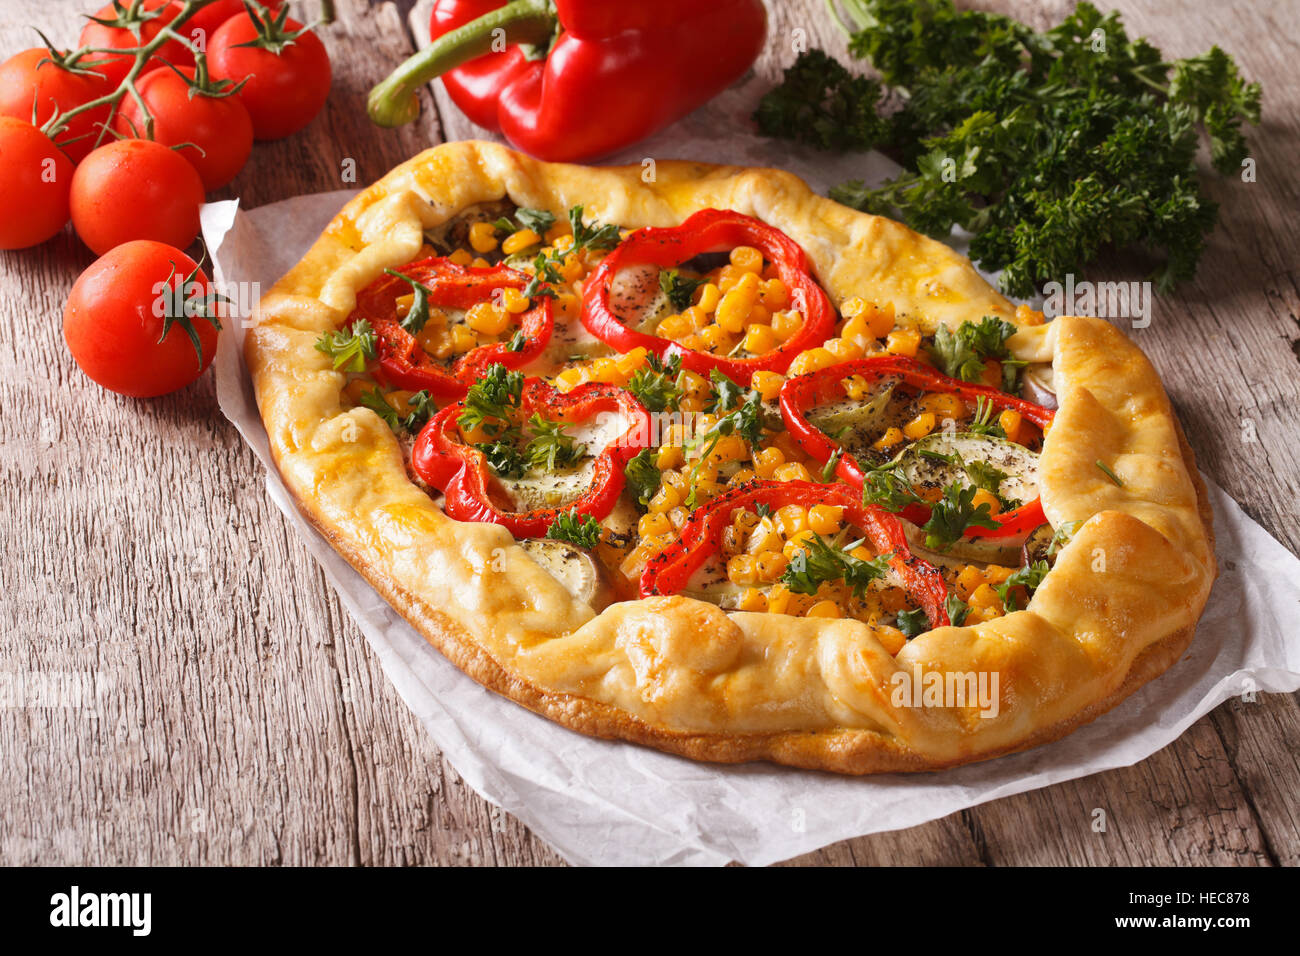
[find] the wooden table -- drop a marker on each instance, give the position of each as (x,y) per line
(239,715)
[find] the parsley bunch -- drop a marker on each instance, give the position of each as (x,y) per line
(490,406)
(1048,147)
(819,561)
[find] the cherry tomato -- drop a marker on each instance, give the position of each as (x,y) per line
(117,312)
(285,91)
(218,126)
(25,80)
(115,66)
(35,178)
(135,189)
(199,28)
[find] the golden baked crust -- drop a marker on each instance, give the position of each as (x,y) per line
(1119,606)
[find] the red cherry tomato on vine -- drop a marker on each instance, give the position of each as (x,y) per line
(35,178)
(218,126)
(115,66)
(119,309)
(25,80)
(199,29)
(135,189)
(285,90)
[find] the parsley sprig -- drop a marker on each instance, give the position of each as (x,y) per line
(582,530)
(491,402)
(1028,577)
(420,404)
(350,348)
(551,446)
(818,561)
(678,288)
(1049,147)
(655,386)
(643,476)
(961,354)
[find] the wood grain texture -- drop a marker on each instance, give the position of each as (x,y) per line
(237,714)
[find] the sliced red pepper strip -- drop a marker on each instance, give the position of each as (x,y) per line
(669,571)
(710,230)
(405,364)
(461,472)
(805,391)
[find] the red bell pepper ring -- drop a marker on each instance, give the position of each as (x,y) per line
(608,74)
(405,364)
(803,392)
(672,568)
(461,472)
(710,230)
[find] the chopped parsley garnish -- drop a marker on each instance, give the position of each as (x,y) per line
(538,220)
(350,348)
(913,622)
(983,423)
(654,385)
(491,401)
(746,421)
(517,342)
(957,609)
(884,488)
(962,354)
(726,393)
(642,476)
(952,514)
(504,458)
(678,288)
(550,447)
(1061,536)
(1106,470)
(817,562)
(582,530)
(1028,577)
(593,236)
(420,404)
(418,314)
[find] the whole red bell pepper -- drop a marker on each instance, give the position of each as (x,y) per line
(804,392)
(405,364)
(460,471)
(710,230)
(672,568)
(577,79)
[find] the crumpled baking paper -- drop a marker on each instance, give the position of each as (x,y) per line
(615,803)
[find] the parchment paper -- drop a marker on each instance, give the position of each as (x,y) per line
(615,803)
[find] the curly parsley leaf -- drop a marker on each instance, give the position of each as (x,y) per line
(884,488)
(822,104)
(655,388)
(983,423)
(538,220)
(952,514)
(1028,577)
(818,562)
(642,476)
(678,288)
(957,609)
(913,622)
(582,530)
(491,402)
(418,314)
(594,236)
(420,404)
(726,393)
(961,354)
(551,446)
(350,348)
(504,458)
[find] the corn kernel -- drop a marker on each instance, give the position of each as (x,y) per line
(785,324)
(519,241)
(404,303)
(558,232)
(653,524)
(730,448)
(844,350)
(774,295)
(741,570)
(920,426)
(752,599)
(664,500)
(985,597)
(571,269)
(708,296)
(1010,422)
(632,361)
(480,263)
(889,439)
(891,638)
(742,476)
(791,519)
(759,339)
(903,342)
(570,378)
(514,301)
(678,517)
(823,609)
(778,599)
(792,471)
(825,519)
(767,461)
(462,339)
(745,520)
(855,386)
(968,579)
(670,456)
(747,258)
(673,326)
(770,565)
(482,237)
(728,276)
(767,384)
(488,318)
(880,321)
(675,480)
(461,257)
(983,497)
(606,370)
(696,316)
(734,309)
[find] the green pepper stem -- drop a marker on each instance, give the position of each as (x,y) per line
(393,102)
